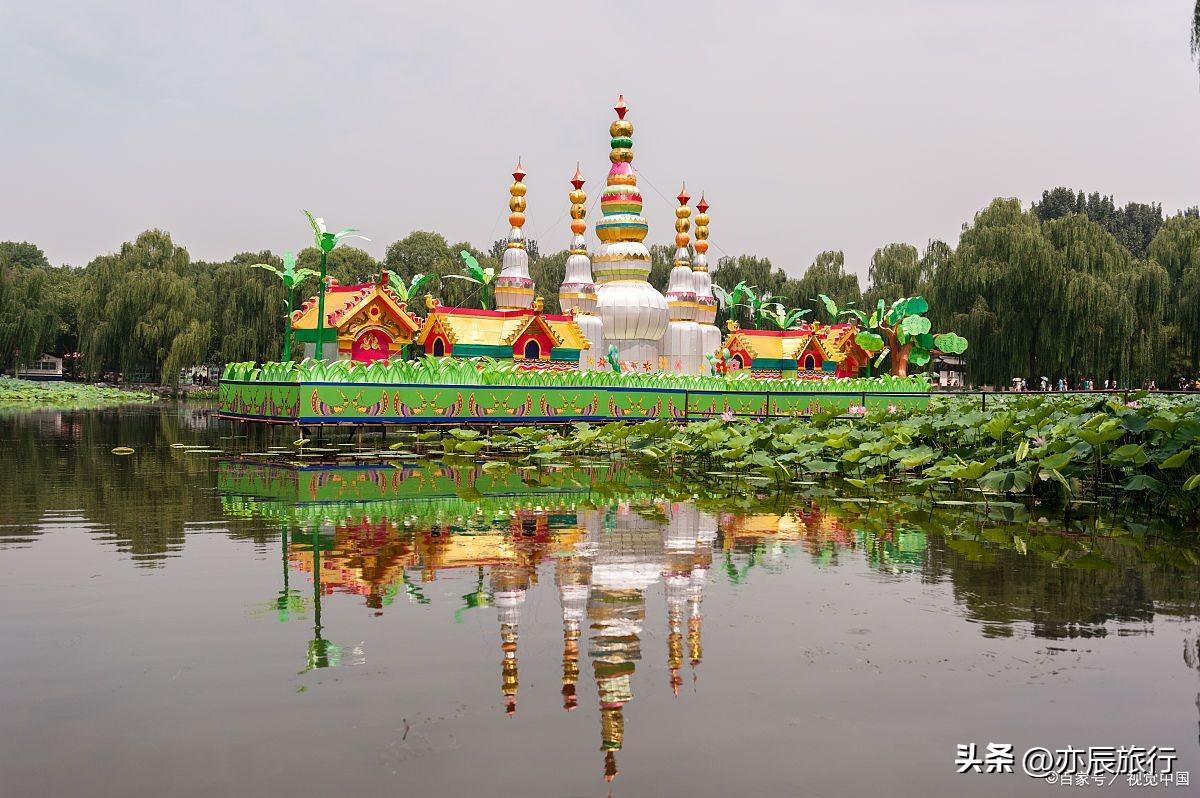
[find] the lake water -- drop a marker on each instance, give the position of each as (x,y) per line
(177,622)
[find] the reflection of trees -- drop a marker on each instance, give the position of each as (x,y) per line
(142,502)
(1065,581)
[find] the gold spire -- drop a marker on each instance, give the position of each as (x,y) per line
(578,199)
(701,232)
(682,224)
(508,672)
(516,204)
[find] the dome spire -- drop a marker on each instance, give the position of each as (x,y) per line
(706,303)
(514,286)
(634,313)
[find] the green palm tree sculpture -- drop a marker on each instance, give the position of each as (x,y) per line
(326,241)
(474,273)
(291,277)
(406,291)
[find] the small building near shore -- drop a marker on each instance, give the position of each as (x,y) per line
(46,368)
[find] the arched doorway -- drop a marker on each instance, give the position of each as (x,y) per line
(439,347)
(810,362)
(373,344)
(533,350)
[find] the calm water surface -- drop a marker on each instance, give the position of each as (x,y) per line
(182,623)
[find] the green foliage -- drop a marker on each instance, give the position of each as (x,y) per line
(29,394)
(1054,449)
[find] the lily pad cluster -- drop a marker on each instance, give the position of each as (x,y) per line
(1054,450)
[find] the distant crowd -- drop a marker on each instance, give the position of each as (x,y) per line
(1020,384)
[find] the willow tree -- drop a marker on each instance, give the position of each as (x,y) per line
(1059,298)
(1177,249)
(134,304)
(826,275)
(30,316)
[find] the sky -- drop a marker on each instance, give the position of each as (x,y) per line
(810,125)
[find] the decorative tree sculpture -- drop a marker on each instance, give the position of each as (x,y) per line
(326,241)
(474,273)
(291,277)
(901,331)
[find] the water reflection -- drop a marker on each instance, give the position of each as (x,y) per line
(375,532)
(382,532)
(592,588)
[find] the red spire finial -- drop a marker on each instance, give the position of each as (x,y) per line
(621,108)
(702,206)
(577,181)
(519,172)
(683,195)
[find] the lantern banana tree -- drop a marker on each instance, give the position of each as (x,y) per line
(474,273)
(407,290)
(325,242)
(291,277)
(782,318)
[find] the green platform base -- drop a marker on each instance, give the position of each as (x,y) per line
(364,404)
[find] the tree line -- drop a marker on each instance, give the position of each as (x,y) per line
(1072,286)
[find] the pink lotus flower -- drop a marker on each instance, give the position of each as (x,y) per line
(727,415)
(1133,405)
(892,409)
(858,411)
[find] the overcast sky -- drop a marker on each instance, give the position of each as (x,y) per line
(811,125)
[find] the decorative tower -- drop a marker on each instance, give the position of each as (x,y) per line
(681,347)
(573,574)
(514,286)
(706,303)
(706,535)
(628,559)
(634,313)
(680,545)
(578,293)
(509,585)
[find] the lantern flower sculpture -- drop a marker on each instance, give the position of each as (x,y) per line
(325,242)
(291,277)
